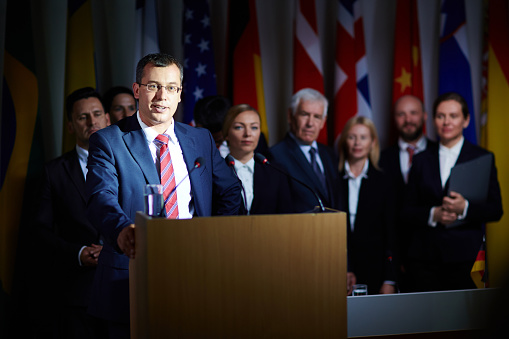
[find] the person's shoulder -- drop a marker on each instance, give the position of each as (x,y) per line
(281,146)
(390,151)
(475,149)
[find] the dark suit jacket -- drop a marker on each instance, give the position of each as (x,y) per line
(271,192)
(373,240)
(119,166)
(287,155)
(64,229)
(425,191)
(390,165)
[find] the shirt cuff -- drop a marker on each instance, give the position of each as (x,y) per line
(79,255)
(430,219)
(465,210)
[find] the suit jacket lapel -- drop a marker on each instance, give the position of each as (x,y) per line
(136,142)
(73,169)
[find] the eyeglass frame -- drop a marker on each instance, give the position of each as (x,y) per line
(178,89)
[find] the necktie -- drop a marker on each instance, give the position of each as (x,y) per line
(411,151)
(167,178)
(316,168)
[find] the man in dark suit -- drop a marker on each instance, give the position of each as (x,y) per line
(396,161)
(66,235)
(441,253)
(134,152)
(305,159)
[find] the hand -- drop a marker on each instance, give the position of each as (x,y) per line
(90,254)
(442,216)
(351,279)
(454,203)
(125,241)
(387,289)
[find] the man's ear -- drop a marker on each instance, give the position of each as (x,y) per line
(70,127)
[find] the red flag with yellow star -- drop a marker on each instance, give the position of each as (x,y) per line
(407,52)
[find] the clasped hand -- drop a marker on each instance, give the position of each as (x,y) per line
(452,206)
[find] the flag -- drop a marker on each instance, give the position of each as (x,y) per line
(147,36)
(479,273)
(407,78)
(351,84)
(307,55)
(454,64)
(80,65)
(199,68)
(20,148)
(245,62)
(497,137)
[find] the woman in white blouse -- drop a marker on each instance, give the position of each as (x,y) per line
(366,195)
(265,190)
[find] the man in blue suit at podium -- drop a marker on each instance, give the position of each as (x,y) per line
(149,148)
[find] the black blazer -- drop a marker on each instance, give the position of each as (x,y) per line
(287,155)
(372,254)
(271,192)
(425,191)
(64,229)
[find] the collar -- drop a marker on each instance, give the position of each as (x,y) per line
(420,145)
(249,165)
(456,149)
(150,134)
(82,153)
(349,174)
(299,142)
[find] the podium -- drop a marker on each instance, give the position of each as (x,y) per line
(268,276)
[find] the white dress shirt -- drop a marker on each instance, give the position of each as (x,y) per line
(403,154)
(83,158)
(182,181)
(306,148)
(245,172)
(354,186)
(447,160)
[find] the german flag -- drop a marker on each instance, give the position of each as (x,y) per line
(245,62)
(479,273)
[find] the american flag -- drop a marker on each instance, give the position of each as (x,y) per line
(199,69)
(351,86)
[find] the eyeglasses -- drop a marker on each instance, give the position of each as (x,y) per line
(152,87)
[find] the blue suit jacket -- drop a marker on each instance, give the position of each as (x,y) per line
(119,166)
(288,155)
(425,190)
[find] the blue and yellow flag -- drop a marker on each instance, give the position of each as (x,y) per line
(20,151)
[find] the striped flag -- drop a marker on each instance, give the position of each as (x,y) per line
(21,152)
(147,36)
(478,273)
(199,68)
(454,64)
(351,85)
(307,55)
(407,52)
(245,62)
(80,64)
(497,137)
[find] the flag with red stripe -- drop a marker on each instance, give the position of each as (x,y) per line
(351,84)
(307,55)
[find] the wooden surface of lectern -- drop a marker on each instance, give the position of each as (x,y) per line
(269,276)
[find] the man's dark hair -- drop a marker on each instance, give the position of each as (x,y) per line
(209,112)
(112,93)
(81,93)
(451,96)
(158,60)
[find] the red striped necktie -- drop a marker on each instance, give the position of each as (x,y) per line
(167,177)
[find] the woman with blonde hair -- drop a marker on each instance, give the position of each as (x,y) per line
(368,199)
(265,190)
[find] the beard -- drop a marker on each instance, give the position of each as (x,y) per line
(412,136)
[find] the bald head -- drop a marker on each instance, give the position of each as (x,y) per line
(409,116)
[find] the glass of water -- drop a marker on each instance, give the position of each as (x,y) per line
(360,289)
(153,197)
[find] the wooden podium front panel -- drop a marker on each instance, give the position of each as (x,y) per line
(240,277)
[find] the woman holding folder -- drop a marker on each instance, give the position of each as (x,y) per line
(447,228)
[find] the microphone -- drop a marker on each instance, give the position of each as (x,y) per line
(197,164)
(230,161)
(261,159)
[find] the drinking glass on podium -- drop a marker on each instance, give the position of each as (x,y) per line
(153,197)
(360,289)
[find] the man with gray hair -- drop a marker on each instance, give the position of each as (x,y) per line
(302,157)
